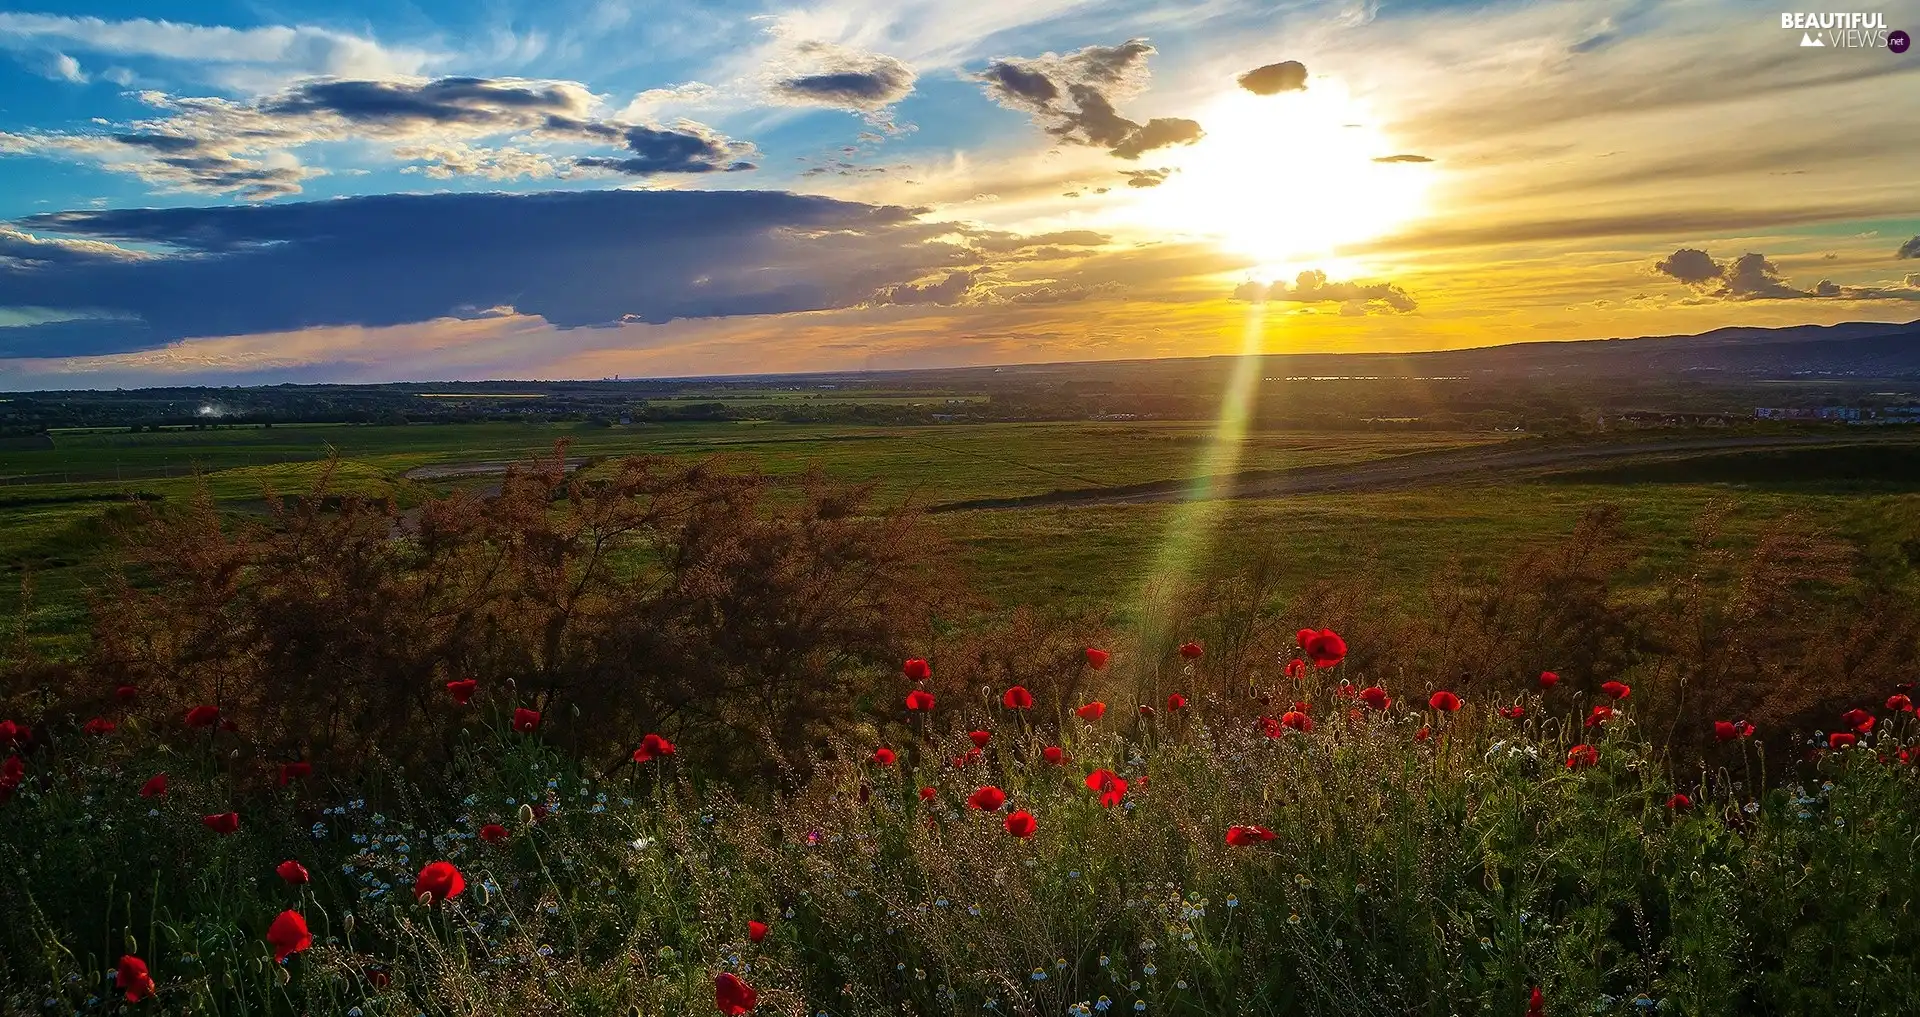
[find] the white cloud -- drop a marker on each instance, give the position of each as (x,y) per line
(241,56)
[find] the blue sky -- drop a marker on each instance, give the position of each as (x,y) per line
(236,193)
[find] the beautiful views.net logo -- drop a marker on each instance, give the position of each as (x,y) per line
(1844,30)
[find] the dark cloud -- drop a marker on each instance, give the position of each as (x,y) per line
(1313,287)
(468,102)
(1752,276)
(1285,76)
(1910,249)
(673,150)
(951,289)
(1689,265)
(841,78)
(1146,177)
(1074,97)
(1402,158)
(575,258)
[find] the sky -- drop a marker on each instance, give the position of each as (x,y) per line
(266,191)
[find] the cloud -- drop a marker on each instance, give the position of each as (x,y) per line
(1313,287)
(1910,249)
(648,104)
(573,258)
(840,78)
(242,52)
(213,145)
(61,67)
(1402,158)
(1146,177)
(1073,97)
(1000,242)
(1272,79)
(1752,276)
(1689,265)
(950,289)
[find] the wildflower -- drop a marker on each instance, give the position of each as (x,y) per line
(1270,727)
(1514,712)
(1296,668)
(1111,787)
(1842,740)
(1017,698)
(916,669)
(1021,824)
(493,833)
(1297,720)
(1375,697)
(1092,711)
(1324,647)
(919,701)
(1728,730)
(1536,1003)
(966,757)
(1444,701)
(1145,710)
(1859,720)
(1679,803)
(292,873)
(99,726)
(1423,734)
(221,823)
(979,738)
(1054,754)
(462,690)
(126,694)
(525,720)
(1176,702)
(202,716)
(1599,716)
(1192,651)
(288,935)
(131,977)
(1616,690)
(294,771)
(987,799)
(926,794)
(1097,659)
(733,996)
(155,786)
(1582,755)
(882,756)
(1244,836)
(1899,703)
(652,747)
(756,931)
(437,882)
(1548,679)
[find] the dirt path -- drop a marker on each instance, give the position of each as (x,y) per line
(1410,470)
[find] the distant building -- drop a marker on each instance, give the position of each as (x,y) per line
(1810,413)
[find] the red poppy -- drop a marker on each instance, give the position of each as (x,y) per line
(1270,727)
(1423,734)
(1246,836)
(1375,697)
(652,747)
(1548,679)
(979,738)
(927,793)
(288,935)
(1325,648)
(221,822)
(1054,754)
(1842,740)
(1092,711)
(987,799)
(1600,715)
(1679,803)
(882,756)
(1858,719)
(1728,730)
(1192,651)
(203,716)
(1616,690)
(1097,659)
(1898,703)
(1296,668)
(13,771)
(155,786)
(295,771)
(1020,823)
(493,833)
(99,726)
(917,669)
(1111,786)
(1145,710)
(1297,721)
(971,755)
(437,882)
(756,931)
(525,720)
(462,690)
(131,977)
(1444,701)
(12,734)
(1017,698)
(1515,712)
(1582,755)
(292,872)
(1176,702)
(919,701)
(733,996)
(1536,1003)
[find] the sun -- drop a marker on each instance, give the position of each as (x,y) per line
(1286,179)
